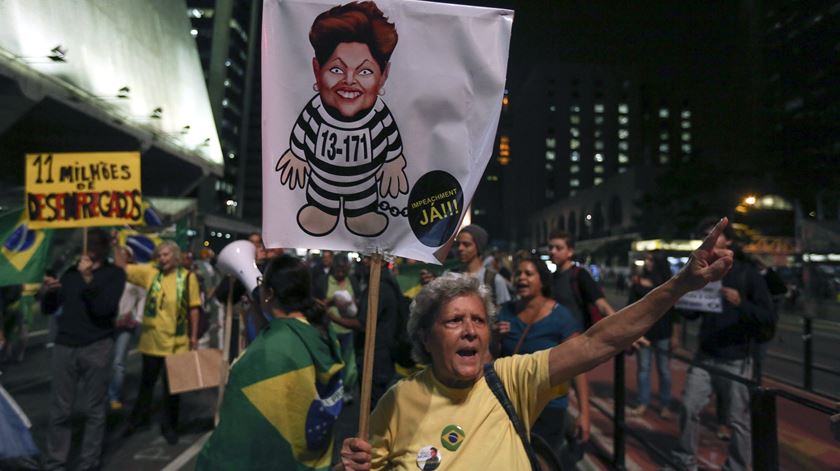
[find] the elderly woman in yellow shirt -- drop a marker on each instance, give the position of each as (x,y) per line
(169,326)
(447,416)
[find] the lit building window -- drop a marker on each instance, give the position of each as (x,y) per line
(193,32)
(686,114)
(623,120)
(599,107)
(599,169)
(599,145)
(623,145)
(623,108)
(549,167)
(686,136)
(663,159)
(574,183)
(623,159)
(622,169)
(574,168)
(623,133)
(686,148)
(599,157)
(686,124)
(575,132)
(492,178)
(550,142)
(598,133)
(664,147)
(599,120)
(550,155)
(552,108)
(574,109)
(574,144)
(663,135)
(598,181)
(504,150)
(575,156)
(663,112)
(574,119)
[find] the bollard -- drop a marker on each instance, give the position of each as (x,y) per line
(618,417)
(765,440)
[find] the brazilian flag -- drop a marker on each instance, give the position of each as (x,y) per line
(281,402)
(23,255)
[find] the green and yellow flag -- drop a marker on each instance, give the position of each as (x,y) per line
(281,403)
(23,255)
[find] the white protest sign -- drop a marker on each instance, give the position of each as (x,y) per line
(378,121)
(706,299)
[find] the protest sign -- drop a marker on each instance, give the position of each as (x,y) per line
(706,299)
(83,189)
(376,135)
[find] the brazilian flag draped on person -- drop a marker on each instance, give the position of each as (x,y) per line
(23,255)
(281,402)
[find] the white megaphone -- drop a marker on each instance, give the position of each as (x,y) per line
(237,259)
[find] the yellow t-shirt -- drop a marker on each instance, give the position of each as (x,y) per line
(158,332)
(419,412)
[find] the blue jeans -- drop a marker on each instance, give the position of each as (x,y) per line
(643,359)
(121,343)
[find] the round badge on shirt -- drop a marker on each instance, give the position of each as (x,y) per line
(428,458)
(452,436)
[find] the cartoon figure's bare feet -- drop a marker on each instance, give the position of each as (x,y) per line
(368,225)
(315,222)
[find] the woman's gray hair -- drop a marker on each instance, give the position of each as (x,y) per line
(426,307)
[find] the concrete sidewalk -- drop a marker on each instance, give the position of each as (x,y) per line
(805,440)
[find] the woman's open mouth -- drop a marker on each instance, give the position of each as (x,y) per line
(467,352)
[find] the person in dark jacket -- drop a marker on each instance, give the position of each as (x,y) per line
(89,295)
(726,341)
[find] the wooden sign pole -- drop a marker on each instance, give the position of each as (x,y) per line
(370,341)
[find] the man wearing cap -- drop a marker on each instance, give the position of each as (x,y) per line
(471,242)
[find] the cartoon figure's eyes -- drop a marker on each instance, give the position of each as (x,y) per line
(336,70)
(365,72)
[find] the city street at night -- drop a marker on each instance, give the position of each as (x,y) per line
(419,234)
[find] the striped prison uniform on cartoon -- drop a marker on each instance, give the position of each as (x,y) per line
(344,156)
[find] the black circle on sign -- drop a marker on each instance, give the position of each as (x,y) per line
(434,207)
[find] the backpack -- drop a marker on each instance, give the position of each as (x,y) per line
(591,313)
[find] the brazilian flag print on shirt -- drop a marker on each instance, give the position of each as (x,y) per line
(281,402)
(23,254)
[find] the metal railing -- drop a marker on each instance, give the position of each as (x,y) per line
(764,433)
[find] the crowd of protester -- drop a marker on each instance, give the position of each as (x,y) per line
(107,303)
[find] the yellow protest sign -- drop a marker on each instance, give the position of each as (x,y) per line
(83,189)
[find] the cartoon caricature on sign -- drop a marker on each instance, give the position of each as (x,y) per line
(346,139)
